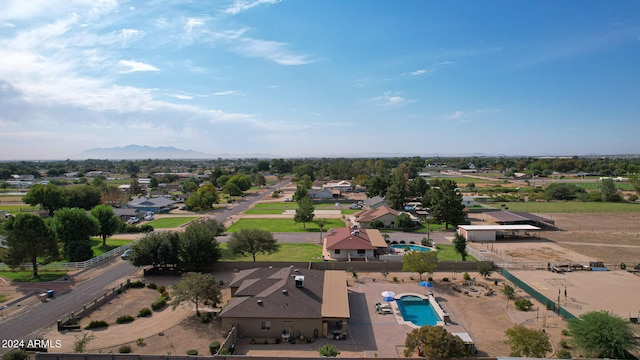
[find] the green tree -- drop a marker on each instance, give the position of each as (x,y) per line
(460,244)
(599,334)
(242,181)
(84,197)
(304,211)
(302,188)
(203,198)
(198,245)
(434,342)
(398,190)
(562,191)
(74,228)
(377,186)
(328,350)
(404,222)
(420,262)
(253,242)
(528,342)
(608,191)
(109,222)
(156,249)
(508,291)
(17,354)
(484,269)
(28,237)
(634,179)
(196,288)
(445,203)
(232,189)
(418,187)
(49,197)
(259,180)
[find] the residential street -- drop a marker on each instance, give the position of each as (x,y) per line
(25,324)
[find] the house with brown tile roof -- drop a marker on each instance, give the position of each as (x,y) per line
(353,244)
(383,213)
(281,303)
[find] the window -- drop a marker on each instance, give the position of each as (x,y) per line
(362,252)
(266,325)
(337,252)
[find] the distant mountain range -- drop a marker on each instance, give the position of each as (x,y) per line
(138,152)
(135,152)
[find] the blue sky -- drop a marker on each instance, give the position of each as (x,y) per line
(297,78)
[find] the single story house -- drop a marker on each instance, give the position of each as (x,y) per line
(155,204)
(375,202)
(353,244)
(285,303)
(383,213)
(324,193)
(125,213)
(342,186)
(482,233)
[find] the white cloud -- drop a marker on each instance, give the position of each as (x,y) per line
(182,96)
(271,50)
(465,116)
(390,99)
(135,66)
(193,23)
(239,6)
(225,93)
(418,72)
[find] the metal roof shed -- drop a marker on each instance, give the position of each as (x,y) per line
(493,232)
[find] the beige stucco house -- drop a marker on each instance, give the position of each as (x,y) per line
(351,244)
(281,303)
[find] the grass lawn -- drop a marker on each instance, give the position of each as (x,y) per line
(448,252)
(16,209)
(170,222)
(98,249)
(3,298)
(288,252)
(569,207)
(283,225)
(27,276)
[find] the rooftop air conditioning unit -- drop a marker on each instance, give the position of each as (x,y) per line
(299,279)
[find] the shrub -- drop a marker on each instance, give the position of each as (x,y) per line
(328,350)
(136,284)
(206,317)
(466,276)
(162,289)
(96,324)
(192,352)
(564,344)
(213,347)
(523,304)
(159,303)
(165,294)
(429,278)
(445,279)
(563,354)
(124,319)
(395,279)
(140,341)
(566,332)
(144,312)
(124,349)
(152,286)
(16,355)
(510,292)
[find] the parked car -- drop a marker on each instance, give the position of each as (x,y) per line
(182,207)
(125,255)
(148,217)
(133,220)
(355,207)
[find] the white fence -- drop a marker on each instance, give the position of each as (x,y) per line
(75,265)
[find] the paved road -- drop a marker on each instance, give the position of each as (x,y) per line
(26,324)
(41,315)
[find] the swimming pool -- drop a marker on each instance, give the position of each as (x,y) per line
(412,247)
(417,310)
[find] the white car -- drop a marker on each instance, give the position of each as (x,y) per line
(125,255)
(148,217)
(133,220)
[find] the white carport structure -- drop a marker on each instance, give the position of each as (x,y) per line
(494,232)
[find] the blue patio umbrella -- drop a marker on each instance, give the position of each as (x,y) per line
(425,284)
